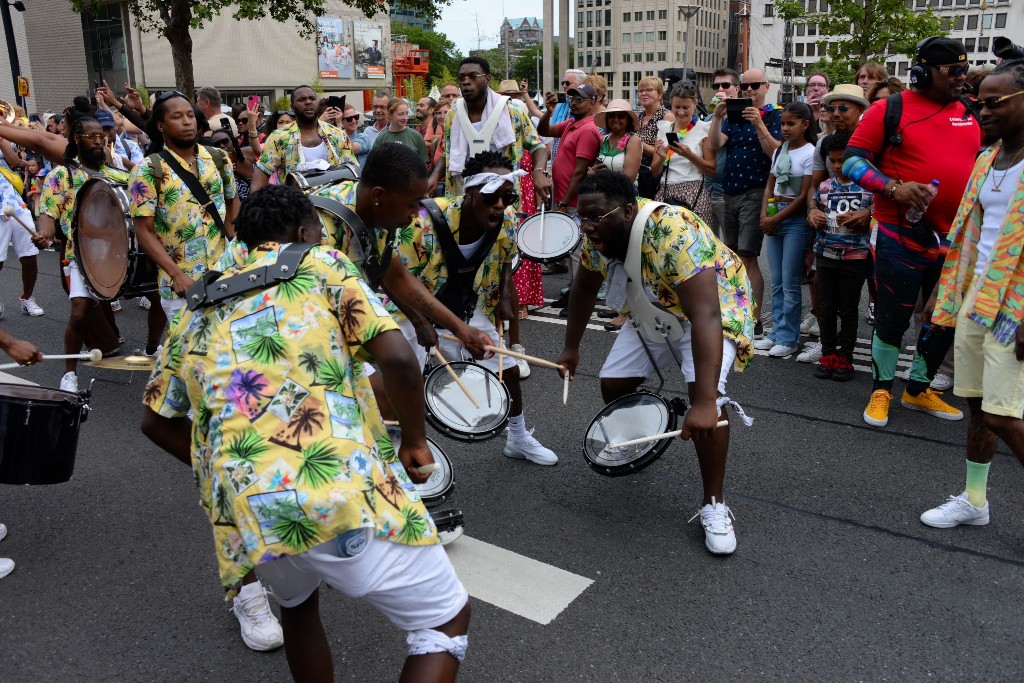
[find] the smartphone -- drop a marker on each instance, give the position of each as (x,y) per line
(253,102)
(734,109)
(336,102)
(561,98)
(672,137)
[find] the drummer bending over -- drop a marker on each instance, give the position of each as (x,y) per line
(478,233)
(285,453)
(698,280)
(83,157)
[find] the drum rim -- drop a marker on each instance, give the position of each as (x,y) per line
(641,462)
(526,254)
(112,187)
(61,397)
(460,434)
(448,471)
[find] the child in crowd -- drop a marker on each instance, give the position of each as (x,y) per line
(841,214)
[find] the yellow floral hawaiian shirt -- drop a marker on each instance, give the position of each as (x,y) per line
(282,151)
(190,237)
(335,233)
(288,447)
(676,246)
(420,250)
(57,199)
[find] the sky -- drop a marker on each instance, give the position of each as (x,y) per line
(460,19)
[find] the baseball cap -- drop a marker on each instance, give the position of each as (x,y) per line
(939,51)
(586,91)
(105,118)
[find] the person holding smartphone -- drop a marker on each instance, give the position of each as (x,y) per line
(682,156)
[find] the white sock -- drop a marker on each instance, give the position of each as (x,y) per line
(517,427)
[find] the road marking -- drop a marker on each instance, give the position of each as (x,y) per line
(531,589)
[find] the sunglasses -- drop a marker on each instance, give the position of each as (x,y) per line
(722,86)
(594,220)
(753,86)
(282,112)
(244,120)
(351,118)
(579,98)
(566,83)
(994,102)
(508,198)
(223,142)
(95,137)
(953,70)
(831,108)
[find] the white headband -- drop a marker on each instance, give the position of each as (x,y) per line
(491,181)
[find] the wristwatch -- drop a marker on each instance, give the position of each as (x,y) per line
(892,190)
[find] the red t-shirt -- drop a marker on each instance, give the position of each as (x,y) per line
(579,140)
(938,142)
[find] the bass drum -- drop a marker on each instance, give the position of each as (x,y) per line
(310,181)
(39,433)
(111,262)
(624,419)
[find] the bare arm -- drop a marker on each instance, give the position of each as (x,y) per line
(172,434)
(634,152)
(259,180)
(698,297)
(232,213)
(49,145)
(715,135)
(578,174)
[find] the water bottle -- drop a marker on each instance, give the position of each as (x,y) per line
(914,215)
(772,208)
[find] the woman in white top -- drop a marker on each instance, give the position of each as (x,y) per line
(621,149)
(681,164)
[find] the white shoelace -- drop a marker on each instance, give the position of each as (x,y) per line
(715,519)
(525,440)
(956,502)
(256,608)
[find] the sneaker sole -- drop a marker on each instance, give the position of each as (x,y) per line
(875,423)
(33,315)
(934,413)
(950,525)
(718,552)
(3,574)
(519,456)
(261,647)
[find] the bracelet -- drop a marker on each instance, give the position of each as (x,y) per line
(892,190)
(762,137)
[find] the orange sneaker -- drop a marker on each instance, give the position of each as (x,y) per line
(928,401)
(877,412)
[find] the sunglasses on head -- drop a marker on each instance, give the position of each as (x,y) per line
(723,85)
(507,198)
(993,102)
(354,117)
(831,108)
(753,86)
(168,94)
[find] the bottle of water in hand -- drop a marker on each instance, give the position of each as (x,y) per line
(914,215)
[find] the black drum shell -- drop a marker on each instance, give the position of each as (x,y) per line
(38,434)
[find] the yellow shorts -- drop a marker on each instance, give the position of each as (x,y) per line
(987,370)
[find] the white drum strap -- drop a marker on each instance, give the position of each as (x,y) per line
(656,324)
(480,141)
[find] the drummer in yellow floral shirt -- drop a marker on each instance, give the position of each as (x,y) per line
(293,464)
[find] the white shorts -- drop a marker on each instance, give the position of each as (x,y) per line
(455,350)
(76,285)
(415,587)
(171,306)
(628,358)
(12,231)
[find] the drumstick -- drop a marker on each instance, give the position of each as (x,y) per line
(391,423)
(541,227)
(428,469)
(93,355)
(440,357)
(657,437)
(501,344)
(11,212)
(565,390)
(513,354)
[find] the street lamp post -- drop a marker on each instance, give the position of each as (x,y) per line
(12,46)
(687,12)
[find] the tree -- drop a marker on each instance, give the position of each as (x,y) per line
(526,65)
(857,31)
(175,20)
(444,55)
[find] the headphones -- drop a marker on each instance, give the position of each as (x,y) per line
(920,75)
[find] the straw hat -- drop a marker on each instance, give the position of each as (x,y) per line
(621,106)
(848,93)
(508,87)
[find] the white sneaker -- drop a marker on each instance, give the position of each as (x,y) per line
(69,382)
(260,629)
(3,532)
(524,367)
(719,536)
(810,354)
(2,311)
(6,566)
(115,305)
(780,351)
(955,511)
(763,344)
(530,449)
(809,325)
(30,307)
(144,303)
(942,382)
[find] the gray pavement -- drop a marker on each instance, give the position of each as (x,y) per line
(834,579)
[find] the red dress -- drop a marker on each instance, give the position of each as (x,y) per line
(528,279)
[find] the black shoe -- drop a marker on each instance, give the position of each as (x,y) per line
(612,327)
(560,302)
(758,330)
(843,371)
(826,366)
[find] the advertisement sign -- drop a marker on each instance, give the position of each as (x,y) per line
(368,41)
(334,48)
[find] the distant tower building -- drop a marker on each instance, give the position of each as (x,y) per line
(519,32)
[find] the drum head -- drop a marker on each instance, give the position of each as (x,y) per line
(100,232)
(450,411)
(311,180)
(517,261)
(441,482)
(561,235)
(626,418)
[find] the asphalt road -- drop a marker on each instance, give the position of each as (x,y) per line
(834,579)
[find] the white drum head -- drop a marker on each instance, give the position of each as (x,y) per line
(560,236)
(451,411)
(624,419)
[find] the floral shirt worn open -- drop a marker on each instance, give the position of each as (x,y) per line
(282,152)
(288,447)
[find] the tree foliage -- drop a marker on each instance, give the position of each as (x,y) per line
(175,19)
(856,31)
(444,55)
(526,65)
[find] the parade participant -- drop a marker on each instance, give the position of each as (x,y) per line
(694,277)
(183,200)
(286,451)
(909,254)
(13,231)
(308,143)
(465,260)
(483,120)
(980,294)
(85,157)
(26,354)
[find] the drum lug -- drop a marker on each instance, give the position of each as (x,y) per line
(679,405)
(28,412)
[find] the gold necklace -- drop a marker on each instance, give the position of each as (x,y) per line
(996,184)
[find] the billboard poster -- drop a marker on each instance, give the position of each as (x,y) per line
(368,42)
(334,47)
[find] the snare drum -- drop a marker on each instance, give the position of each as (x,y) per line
(309,181)
(436,489)
(561,234)
(111,262)
(38,433)
(626,418)
(451,412)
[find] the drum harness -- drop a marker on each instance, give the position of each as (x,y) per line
(457,293)
(374,265)
(210,290)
